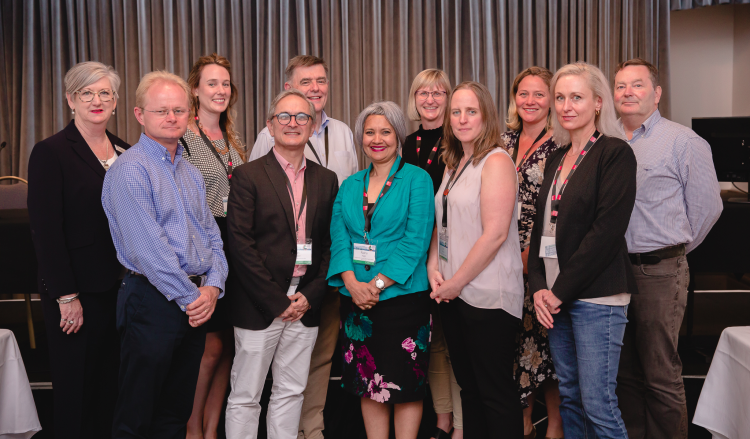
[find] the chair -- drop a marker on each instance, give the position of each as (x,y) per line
(13,196)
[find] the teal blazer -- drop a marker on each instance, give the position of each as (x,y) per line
(401,228)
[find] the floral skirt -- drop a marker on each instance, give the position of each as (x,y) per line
(533,364)
(386,349)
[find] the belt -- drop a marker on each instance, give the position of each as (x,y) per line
(656,256)
(194,278)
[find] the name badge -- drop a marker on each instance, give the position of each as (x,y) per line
(443,245)
(518,214)
(224,202)
(364,254)
(548,249)
(304,253)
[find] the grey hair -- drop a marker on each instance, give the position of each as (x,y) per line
(606,122)
(86,73)
(393,114)
(291,92)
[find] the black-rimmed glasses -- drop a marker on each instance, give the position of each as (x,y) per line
(300,118)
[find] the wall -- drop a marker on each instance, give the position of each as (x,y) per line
(741,80)
(710,63)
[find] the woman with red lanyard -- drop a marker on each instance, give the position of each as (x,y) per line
(530,142)
(214,147)
(579,268)
(428,99)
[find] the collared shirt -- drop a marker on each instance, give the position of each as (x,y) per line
(297,180)
(343,155)
(678,195)
(160,222)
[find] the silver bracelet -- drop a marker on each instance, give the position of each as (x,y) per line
(68,300)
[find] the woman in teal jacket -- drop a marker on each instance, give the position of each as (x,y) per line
(380,232)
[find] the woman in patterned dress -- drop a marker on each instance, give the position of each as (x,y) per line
(529,142)
(214,147)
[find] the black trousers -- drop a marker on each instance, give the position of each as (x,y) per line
(160,358)
(84,366)
(482,345)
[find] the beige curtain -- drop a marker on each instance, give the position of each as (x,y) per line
(374,49)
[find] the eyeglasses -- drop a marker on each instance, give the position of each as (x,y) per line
(88,95)
(178,112)
(300,118)
(436,95)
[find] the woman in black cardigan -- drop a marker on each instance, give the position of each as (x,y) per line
(78,268)
(578,262)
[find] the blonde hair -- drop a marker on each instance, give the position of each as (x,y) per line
(514,122)
(150,79)
(286,93)
(226,119)
(303,61)
(426,78)
(606,121)
(488,138)
(86,73)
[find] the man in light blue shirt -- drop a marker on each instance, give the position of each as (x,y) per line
(331,145)
(168,240)
(677,202)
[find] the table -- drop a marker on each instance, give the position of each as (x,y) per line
(18,417)
(724,405)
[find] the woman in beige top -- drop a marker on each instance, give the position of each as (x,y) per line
(472,260)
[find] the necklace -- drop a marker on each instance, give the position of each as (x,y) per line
(106,159)
(221,151)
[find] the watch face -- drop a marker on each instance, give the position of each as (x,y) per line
(379,283)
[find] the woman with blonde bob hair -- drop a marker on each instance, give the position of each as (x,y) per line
(475,267)
(579,268)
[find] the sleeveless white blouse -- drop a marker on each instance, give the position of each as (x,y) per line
(500,284)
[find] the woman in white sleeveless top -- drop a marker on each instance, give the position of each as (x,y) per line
(475,271)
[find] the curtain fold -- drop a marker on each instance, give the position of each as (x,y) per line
(374,49)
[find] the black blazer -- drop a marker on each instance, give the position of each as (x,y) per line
(70,231)
(593,217)
(262,243)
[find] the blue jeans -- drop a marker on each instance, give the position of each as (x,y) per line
(585,342)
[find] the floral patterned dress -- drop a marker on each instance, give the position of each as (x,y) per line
(533,360)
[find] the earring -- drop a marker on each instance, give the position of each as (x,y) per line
(597,112)
(113,112)
(73,112)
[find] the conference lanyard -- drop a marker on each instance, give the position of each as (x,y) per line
(365,208)
(304,200)
(515,150)
(432,153)
(448,188)
(555,205)
(210,145)
(316,154)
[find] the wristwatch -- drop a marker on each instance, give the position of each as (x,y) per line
(379,283)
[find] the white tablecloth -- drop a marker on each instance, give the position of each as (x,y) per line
(724,404)
(18,418)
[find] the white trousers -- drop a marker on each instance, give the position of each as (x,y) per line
(286,347)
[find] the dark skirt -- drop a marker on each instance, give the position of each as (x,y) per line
(220,318)
(386,349)
(533,364)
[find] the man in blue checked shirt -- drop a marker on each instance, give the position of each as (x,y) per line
(677,202)
(168,241)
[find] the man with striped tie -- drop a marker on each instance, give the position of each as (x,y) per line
(677,202)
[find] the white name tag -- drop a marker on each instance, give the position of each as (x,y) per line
(443,245)
(304,253)
(548,249)
(364,254)
(224,202)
